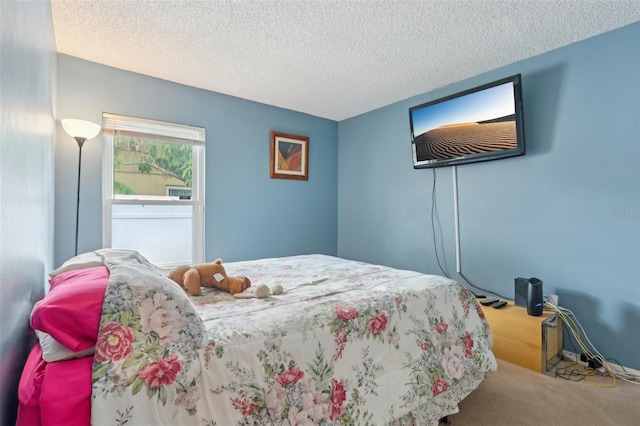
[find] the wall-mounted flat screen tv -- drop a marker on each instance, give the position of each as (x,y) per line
(480,124)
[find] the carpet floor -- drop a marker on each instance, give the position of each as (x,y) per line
(520,397)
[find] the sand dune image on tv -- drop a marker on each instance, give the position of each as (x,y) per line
(460,139)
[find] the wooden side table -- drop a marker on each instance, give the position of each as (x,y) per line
(525,340)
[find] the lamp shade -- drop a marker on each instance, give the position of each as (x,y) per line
(80,128)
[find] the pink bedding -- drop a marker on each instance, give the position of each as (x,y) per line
(55,393)
(71,310)
(59,393)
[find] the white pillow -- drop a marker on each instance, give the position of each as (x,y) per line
(53,351)
(81,261)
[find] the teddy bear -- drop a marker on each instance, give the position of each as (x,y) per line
(193,278)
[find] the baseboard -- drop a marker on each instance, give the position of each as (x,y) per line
(572,356)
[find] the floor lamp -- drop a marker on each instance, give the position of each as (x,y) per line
(80,130)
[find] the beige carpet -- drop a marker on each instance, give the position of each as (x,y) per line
(515,396)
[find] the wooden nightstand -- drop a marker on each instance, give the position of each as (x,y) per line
(525,340)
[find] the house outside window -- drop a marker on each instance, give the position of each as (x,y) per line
(181,192)
(153,188)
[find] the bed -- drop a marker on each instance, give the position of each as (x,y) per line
(347,342)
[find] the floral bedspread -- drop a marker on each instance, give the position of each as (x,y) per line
(347,343)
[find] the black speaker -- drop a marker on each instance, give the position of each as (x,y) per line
(535,303)
(521,288)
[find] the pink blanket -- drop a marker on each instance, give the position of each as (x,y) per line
(55,393)
(59,393)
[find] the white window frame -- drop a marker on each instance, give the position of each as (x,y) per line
(180,133)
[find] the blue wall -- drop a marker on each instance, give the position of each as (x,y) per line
(27,97)
(248,214)
(567,212)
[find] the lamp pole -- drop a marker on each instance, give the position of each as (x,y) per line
(81,142)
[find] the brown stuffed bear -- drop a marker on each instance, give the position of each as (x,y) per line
(192,278)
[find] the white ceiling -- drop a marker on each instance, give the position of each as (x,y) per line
(332,59)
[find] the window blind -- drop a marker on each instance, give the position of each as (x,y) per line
(149,129)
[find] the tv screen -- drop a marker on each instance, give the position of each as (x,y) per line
(480,124)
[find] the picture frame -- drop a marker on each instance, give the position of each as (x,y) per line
(289,156)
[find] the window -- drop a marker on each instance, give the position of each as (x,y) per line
(153,185)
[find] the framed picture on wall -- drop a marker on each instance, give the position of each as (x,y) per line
(289,156)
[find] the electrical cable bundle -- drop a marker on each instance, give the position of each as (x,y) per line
(613,370)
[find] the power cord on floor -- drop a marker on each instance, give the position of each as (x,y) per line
(587,348)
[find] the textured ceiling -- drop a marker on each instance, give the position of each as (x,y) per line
(332,59)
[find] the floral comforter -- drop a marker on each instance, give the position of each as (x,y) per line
(346,343)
